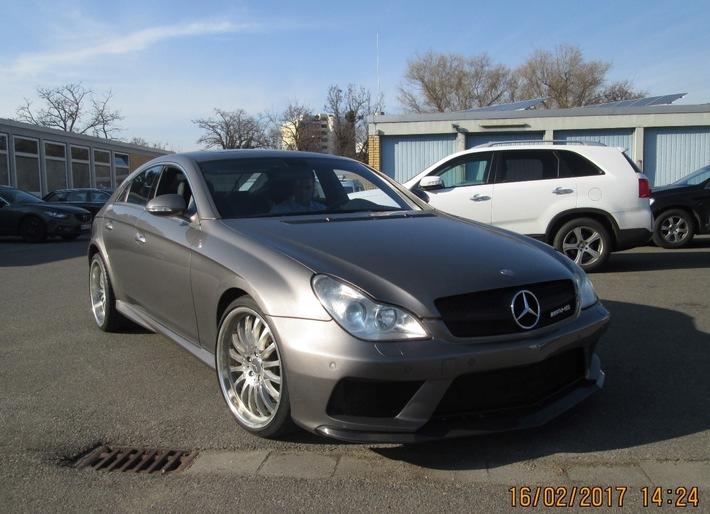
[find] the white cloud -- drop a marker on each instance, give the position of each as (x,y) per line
(33,63)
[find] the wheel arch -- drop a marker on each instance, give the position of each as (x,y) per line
(226,298)
(681,207)
(603,217)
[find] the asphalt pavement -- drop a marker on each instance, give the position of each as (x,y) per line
(66,387)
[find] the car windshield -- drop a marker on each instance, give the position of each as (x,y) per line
(17,196)
(288,186)
(695,178)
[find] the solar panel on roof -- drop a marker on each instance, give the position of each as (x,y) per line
(642,102)
(512,106)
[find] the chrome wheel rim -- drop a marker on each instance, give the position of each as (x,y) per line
(97,289)
(583,245)
(674,229)
(249,368)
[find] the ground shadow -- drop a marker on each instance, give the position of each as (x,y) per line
(659,259)
(14,252)
(657,389)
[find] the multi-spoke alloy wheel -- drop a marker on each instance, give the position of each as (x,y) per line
(250,371)
(98,289)
(585,241)
(673,228)
(583,245)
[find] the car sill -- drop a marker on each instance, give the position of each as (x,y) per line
(143,320)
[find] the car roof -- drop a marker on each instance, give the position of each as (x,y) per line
(217,155)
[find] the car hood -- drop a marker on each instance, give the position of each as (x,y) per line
(408,260)
(57,206)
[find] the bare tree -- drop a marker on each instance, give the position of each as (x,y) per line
(350,108)
(437,82)
(566,79)
(231,129)
(139,141)
(72,108)
(621,90)
(299,128)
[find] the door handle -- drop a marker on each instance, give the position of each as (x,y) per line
(480,198)
(109,225)
(140,238)
(562,191)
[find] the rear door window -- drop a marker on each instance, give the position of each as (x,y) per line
(525,165)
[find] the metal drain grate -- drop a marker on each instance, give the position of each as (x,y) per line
(138,460)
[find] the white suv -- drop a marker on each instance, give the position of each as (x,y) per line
(585,199)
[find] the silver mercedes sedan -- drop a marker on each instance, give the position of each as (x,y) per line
(356,313)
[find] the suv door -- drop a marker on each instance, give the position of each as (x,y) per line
(467,191)
(528,190)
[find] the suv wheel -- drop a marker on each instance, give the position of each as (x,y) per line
(585,241)
(673,229)
(33,229)
(251,372)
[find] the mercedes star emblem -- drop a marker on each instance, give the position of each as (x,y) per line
(525,309)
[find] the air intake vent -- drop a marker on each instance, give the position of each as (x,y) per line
(138,460)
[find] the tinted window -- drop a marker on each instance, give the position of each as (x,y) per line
(470,170)
(96,196)
(526,165)
(574,165)
(59,196)
(77,196)
(143,186)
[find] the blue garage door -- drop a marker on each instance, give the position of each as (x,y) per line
(672,153)
(405,156)
(623,138)
(498,137)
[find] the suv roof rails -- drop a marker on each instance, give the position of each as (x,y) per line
(561,142)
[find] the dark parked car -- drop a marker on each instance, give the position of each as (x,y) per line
(363,319)
(87,198)
(23,214)
(682,209)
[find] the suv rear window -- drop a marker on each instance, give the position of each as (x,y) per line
(574,165)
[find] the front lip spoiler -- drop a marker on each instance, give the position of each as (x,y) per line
(437,430)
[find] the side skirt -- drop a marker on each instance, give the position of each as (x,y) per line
(139,317)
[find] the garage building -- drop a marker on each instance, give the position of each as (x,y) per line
(666,141)
(40,160)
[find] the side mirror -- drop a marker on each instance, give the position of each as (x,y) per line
(166,205)
(431,183)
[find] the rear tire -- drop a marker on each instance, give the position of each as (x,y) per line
(251,371)
(33,230)
(674,228)
(103,301)
(585,241)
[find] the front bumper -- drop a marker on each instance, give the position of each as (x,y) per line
(319,355)
(69,226)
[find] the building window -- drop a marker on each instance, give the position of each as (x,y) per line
(4,164)
(120,164)
(80,166)
(55,165)
(102,169)
(27,164)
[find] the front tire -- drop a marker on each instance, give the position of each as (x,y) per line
(585,241)
(673,229)
(103,301)
(251,371)
(33,230)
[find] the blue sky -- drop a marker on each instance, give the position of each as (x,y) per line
(170,62)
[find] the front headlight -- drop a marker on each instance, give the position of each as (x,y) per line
(362,317)
(57,214)
(587,295)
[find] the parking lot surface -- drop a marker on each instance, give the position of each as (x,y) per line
(66,387)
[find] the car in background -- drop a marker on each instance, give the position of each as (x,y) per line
(682,209)
(376,319)
(23,214)
(587,200)
(91,199)
(351,185)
